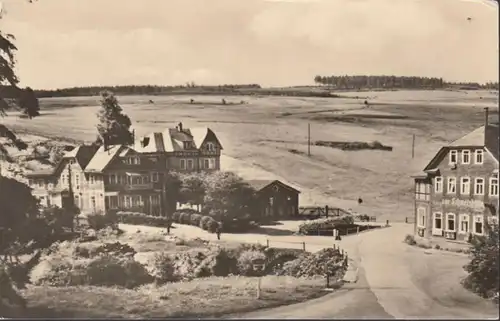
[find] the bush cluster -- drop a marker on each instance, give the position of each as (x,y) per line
(99,221)
(312,227)
(328,260)
(206,223)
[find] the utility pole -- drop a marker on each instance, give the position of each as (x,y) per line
(413,146)
(309,139)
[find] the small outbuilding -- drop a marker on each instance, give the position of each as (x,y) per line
(275,198)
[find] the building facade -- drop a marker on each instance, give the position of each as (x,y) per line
(458,192)
(128,178)
(275,199)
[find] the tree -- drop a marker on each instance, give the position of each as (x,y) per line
(114,126)
(193,188)
(29,103)
(483,276)
(228,196)
(18,209)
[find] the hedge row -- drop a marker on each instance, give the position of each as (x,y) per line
(206,223)
(326,225)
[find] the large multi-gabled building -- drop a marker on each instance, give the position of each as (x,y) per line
(458,191)
(127,177)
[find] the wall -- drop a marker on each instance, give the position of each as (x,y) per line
(470,204)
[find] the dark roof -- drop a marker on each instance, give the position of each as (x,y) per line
(491,139)
(260,184)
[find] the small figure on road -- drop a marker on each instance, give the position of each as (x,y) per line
(360,201)
(169,224)
(218,231)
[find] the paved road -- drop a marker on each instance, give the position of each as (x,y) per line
(385,287)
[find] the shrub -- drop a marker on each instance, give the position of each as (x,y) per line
(482,269)
(326,225)
(246,261)
(204,222)
(176,216)
(142,219)
(185,218)
(410,239)
(163,268)
(437,247)
(218,262)
(212,225)
(195,219)
(105,270)
(307,265)
(99,221)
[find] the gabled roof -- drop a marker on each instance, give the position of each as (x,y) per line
(477,138)
(172,140)
(83,154)
(102,158)
(260,184)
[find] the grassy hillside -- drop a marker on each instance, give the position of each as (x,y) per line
(271,133)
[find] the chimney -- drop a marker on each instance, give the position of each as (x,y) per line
(180,127)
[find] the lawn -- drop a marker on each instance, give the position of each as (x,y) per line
(209,297)
(267,137)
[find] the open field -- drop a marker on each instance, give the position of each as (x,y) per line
(269,135)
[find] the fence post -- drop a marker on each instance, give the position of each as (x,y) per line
(267,242)
(334,246)
(387,223)
(258,288)
(406,219)
(342,252)
(304,246)
(357,230)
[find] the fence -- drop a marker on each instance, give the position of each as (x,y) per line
(330,211)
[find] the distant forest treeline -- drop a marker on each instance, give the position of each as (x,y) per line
(395,82)
(327,86)
(144,90)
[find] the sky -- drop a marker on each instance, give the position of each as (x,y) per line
(64,43)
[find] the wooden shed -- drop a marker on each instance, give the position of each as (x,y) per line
(276,199)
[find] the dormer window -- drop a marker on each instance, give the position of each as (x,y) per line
(188,145)
(453,157)
(210,147)
(134,160)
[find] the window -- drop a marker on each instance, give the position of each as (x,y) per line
(450,222)
(183,164)
(464,186)
(212,163)
(77,181)
(112,179)
(77,200)
(145,179)
(40,183)
(92,179)
(92,202)
(478,224)
(452,185)
(453,156)
(464,223)
(466,156)
(421,216)
(206,163)
(71,161)
(154,177)
(137,161)
(63,179)
(494,185)
(438,223)
(479,186)
(126,201)
(136,200)
(190,164)
(478,159)
(271,201)
(422,191)
(210,147)
(438,184)
(31,182)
